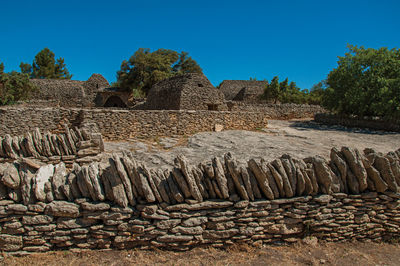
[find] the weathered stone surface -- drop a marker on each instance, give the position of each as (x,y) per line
(220,177)
(174,238)
(338,160)
(62,209)
(323,174)
(214,204)
(94,175)
(187,173)
(291,172)
(117,186)
(167,224)
(37,219)
(286,183)
(382,164)
(58,179)
(196,230)
(285,229)
(95,206)
(177,195)
(144,184)
(235,174)
(224,234)
(355,164)
(190,222)
(261,178)
(125,179)
(181,182)
(43,175)
(199,178)
(10,243)
(11,176)
(352,183)
(27,176)
(7,146)
(130,166)
(247,182)
(152,184)
(373,174)
(278,180)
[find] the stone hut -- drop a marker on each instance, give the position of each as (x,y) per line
(112,97)
(185,92)
(68,93)
(232,89)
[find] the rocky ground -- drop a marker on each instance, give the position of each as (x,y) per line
(311,253)
(298,138)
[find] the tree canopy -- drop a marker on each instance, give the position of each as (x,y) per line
(366,82)
(14,86)
(45,66)
(145,68)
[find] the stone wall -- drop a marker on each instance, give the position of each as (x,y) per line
(80,145)
(278,111)
(376,124)
(124,124)
(120,203)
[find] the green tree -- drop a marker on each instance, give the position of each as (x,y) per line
(14,86)
(366,82)
(272,90)
(145,68)
(45,66)
(283,86)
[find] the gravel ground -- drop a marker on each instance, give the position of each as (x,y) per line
(297,138)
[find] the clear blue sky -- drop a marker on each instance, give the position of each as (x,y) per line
(229,39)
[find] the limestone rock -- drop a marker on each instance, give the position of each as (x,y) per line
(130,166)
(43,175)
(150,179)
(339,161)
(80,181)
(382,164)
(375,176)
(62,209)
(187,173)
(58,179)
(247,182)
(11,176)
(144,184)
(7,146)
(10,243)
(117,186)
(177,195)
(220,177)
(27,176)
(95,181)
(237,178)
(286,183)
(323,174)
(160,183)
(356,166)
(261,178)
(254,185)
(199,178)
(180,180)
(291,172)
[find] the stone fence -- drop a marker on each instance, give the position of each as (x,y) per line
(375,124)
(120,203)
(278,111)
(74,145)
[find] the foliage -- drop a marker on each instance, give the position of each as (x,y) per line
(14,86)
(145,68)
(286,92)
(45,66)
(366,82)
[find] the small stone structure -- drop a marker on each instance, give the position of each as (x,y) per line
(242,90)
(185,92)
(68,93)
(120,203)
(112,97)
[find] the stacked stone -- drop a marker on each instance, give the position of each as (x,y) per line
(82,224)
(52,148)
(123,180)
(121,203)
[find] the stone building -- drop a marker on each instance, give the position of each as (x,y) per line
(185,92)
(242,90)
(68,93)
(112,97)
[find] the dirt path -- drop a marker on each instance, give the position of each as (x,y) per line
(297,138)
(342,254)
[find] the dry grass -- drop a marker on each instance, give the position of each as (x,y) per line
(356,253)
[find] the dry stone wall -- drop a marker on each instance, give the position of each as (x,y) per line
(120,203)
(278,111)
(376,124)
(124,124)
(74,145)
